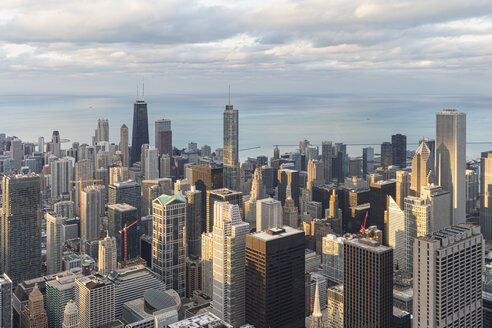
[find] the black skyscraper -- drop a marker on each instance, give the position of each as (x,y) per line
(399,150)
(140,131)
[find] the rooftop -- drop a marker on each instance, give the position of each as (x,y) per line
(369,244)
(122,207)
(276,233)
(225,191)
(452,234)
(166,199)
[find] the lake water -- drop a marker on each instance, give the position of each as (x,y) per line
(264,120)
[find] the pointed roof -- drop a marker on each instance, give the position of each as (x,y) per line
(423,150)
(317,308)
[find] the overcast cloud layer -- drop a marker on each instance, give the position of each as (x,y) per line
(442,46)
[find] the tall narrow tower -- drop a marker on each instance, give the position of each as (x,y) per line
(231,150)
(124,145)
(71,315)
(317,316)
(451,158)
(140,130)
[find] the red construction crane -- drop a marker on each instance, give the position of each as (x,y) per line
(125,238)
(363,227)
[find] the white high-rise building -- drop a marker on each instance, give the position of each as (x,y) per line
(486,195)
(16,152)
(54,242)
(91,209)
(417,224)
(151,161)
(207,263)
(95,299)
(169,241)
(5,301)
(395,231)
(102,131)
(447,278)
(451,158)
(71,315)
(107,256)
(268,214)
(61,175)
(229,240)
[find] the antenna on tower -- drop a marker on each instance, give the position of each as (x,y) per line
(229,94)
(143,88)
(137,91)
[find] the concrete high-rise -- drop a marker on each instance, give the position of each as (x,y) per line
(289,210)
(91,210)
(334,308)
(71,316)
(61,175)
(221,195)
(140,130)
(168,241)
(102,131)
(207,263)
(326,159)
(229,243)
(17,153)
(151,169)
(315,171)
(447,278)
(120,215)
(231,148)
(164,137)
(274,269)
(403,180)
(34,314)
(399,150)
(417,223)
(128,192)
(20,247)
(56,144)
(125,150)
(368,283)
(422,169)
(367,161)
(54,242)
(5,301)
(268,214)
(193,221)
(395,232)
(332,257)
(107,256)
(450,158)
(486,195)
(206,177)
(95,299)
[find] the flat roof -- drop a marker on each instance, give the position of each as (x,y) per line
(369,244)
(123,207)
(276,233)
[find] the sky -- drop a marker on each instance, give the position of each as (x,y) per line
(374,46)
(319,68)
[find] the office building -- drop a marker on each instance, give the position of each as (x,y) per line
(206,177)
(54,242)
(289,211)
(368,283)
(95,299)
(102,131)
(21,227)
(5,301)
(231,148)
(332,257)
(193,276)
(193,221)
(450,158)
(128,192)
(151,163)
(275,265)
(268,214)
(288,177)
(107,256)
(396,233)
(58,292)
(64,208)
(61,175)
(221,195)
(326,159)
(140,130)
(55,145)
(378,200)
(422,169)
(71,316)
(334,308)
(399,150)
(258,192)
(169,246)
(229,242)
(91,210)
(441,211)
(403,180)
(486,195)
(34,314)
(124,148)
(207,263)
(447,278)
(367,161)
(164,137)
(315,171)
(386,154)
(119,216)
(471,194)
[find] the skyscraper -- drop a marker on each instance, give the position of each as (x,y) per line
(451,158)
(275,269)
(386,154)
(151,169)
(399,150)
(120,215)
(288,177)
(61,175)
(21,227)
(5,301)
(125,151)
(71,315)
(128,192)
(289,211)
(422,169)
(315,171)
(221,195)
(56,144)
(95,299)
(169,246)
(207,263)
(486,195)
(231,148)
(102,131)
(164,137)
(91,210)
(140,130)
(447,278)
(16,152)
(193,221)
(107,256)
(395,232)
(326,159)
(403,181)
(34,314)
(229,240)
(378,200)
(58,292)
(367,161)
(332,256)
(54,242)
(268,214)
(368,283)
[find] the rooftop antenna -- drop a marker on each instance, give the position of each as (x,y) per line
(229,94)
(143,88)
(137,91)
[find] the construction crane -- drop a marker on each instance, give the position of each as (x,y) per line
(125,239)
(363,227)
(80,181)
(244,149)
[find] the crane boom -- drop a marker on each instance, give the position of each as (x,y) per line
(125,239)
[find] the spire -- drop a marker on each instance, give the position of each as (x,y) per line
(317,321)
